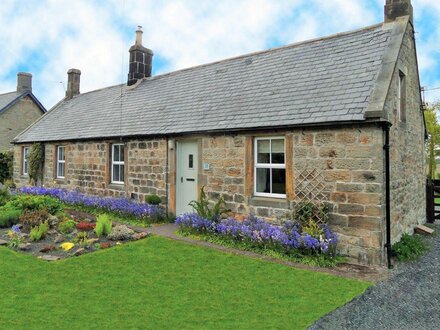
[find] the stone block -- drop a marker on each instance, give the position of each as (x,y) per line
(363,222)
(350,187)
(364,198)
(356,209)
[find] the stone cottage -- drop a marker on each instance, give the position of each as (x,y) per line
(18,110)
(319,120)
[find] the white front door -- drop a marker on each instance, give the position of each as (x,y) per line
(186,175)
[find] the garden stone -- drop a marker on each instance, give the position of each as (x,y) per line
(79,252)
(52,232)
(47,248)
(139,236)
(120,233)
(59,238)
(3,242)
(53,221)
(49,257)
(92,241)
(24,246)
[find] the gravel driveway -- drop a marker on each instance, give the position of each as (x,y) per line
(409,299)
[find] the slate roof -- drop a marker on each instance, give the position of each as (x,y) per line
(9,99)
(326,80)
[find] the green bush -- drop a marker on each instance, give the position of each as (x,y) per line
(203,208)
(33,203)
(409,247)
(9,217)
(103,225)
(36,163)
(306,211)
(31,219)
(6,166)
(37,233)
(66,226)
(152,199)
(5,195)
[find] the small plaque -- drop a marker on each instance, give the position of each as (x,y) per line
(206,166)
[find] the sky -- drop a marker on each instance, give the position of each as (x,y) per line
(48,37)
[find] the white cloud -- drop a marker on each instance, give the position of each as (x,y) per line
(48,37)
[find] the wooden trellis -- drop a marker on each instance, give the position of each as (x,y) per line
(310,186)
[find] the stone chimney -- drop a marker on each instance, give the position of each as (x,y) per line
(398,8)
(141,59)
(73,76)
(24,82)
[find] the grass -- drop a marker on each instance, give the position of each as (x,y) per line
(160,283)
(311,260)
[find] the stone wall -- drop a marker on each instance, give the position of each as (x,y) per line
(408,190)
(16,119)
(88,168)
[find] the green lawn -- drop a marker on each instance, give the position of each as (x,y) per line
(160,283)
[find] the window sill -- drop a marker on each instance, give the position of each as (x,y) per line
(60,180)
(117,186)
(275,202)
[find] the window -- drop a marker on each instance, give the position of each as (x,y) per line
(401,98)
(61,162)
(25,160)
(118,163)
(270,167)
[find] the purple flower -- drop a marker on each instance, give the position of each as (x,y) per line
(121,205)
(287,237)
(16,229)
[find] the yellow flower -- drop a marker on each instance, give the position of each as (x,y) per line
(67,246)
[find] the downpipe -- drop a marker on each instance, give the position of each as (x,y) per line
(386,147)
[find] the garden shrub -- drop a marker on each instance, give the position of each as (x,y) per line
(103,225)
(120,233)
(6,166)
(5,195)
(82,238)
(38,233)
(409,247)
(85,226)
(33,203)
(30,219)
(153,199)
(36,163)
(9,217)
(15,236)
(203,208)
(66,226)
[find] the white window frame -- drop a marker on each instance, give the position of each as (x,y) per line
(113,162)
(61,161)
(271,166)
(24,164)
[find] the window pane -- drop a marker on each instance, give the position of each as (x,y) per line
(61,155)
(121,173)
(191,161)
(263,180)
(116,153)
(61,169)
(263,151)
(278,151)
(115,173)
(121,153)
(278,181)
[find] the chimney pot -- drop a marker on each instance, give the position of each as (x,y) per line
(139,36)
(398,8)
(73,82)
(24,82)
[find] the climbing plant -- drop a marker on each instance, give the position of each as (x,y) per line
(36,163)
(6,160)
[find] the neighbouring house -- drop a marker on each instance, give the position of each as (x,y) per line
(308,121)
(18,110)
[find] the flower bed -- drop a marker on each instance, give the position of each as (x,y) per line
(288,239)
(119,205)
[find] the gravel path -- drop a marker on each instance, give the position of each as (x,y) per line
(409,299)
